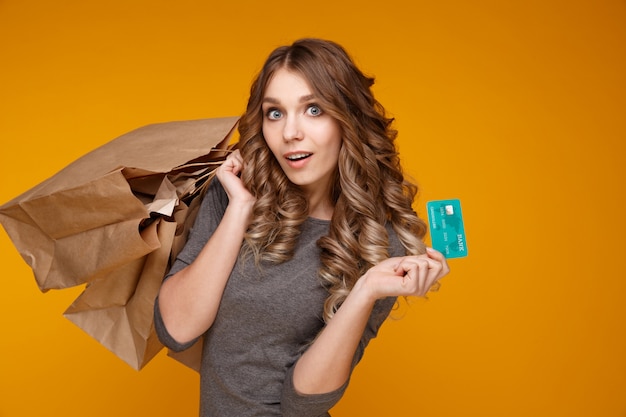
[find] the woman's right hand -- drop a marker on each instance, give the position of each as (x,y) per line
(228,175)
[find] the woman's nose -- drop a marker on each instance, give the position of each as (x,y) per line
(291,129)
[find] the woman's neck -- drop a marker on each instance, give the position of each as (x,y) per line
(320,207)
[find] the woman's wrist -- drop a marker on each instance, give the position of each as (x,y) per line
(241,208)
(363,292)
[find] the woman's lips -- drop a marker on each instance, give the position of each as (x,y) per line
(297,159)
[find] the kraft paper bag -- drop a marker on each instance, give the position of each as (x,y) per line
(62,227)
(115,219)
(116,309)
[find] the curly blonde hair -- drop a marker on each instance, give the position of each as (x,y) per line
(369,187)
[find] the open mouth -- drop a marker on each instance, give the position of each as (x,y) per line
(298,156)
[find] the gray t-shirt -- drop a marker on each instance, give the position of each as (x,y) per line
(266,319)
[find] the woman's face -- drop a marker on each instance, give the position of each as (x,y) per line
(303,138)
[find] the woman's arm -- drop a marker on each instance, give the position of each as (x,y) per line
(189,300)
(327,364)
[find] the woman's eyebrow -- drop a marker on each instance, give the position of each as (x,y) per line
(270,100)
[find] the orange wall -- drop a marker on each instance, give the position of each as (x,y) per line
(517,108)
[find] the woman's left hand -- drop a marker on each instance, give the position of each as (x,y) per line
(406,276)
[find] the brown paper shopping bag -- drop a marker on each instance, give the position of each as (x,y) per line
(114,219)
(114,308)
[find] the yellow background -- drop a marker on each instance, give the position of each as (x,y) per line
(518,108)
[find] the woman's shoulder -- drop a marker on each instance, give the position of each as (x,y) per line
(215,195)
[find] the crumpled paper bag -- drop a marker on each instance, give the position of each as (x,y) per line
(115,219)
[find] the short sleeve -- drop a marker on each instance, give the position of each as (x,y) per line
(294,404)
(209,216)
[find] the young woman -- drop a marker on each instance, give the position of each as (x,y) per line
(303,242)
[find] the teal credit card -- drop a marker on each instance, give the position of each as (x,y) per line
(447,232)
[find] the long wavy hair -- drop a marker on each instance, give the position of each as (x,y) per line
(369,188)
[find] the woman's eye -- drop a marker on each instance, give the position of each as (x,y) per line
(273,114)
(314,110)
